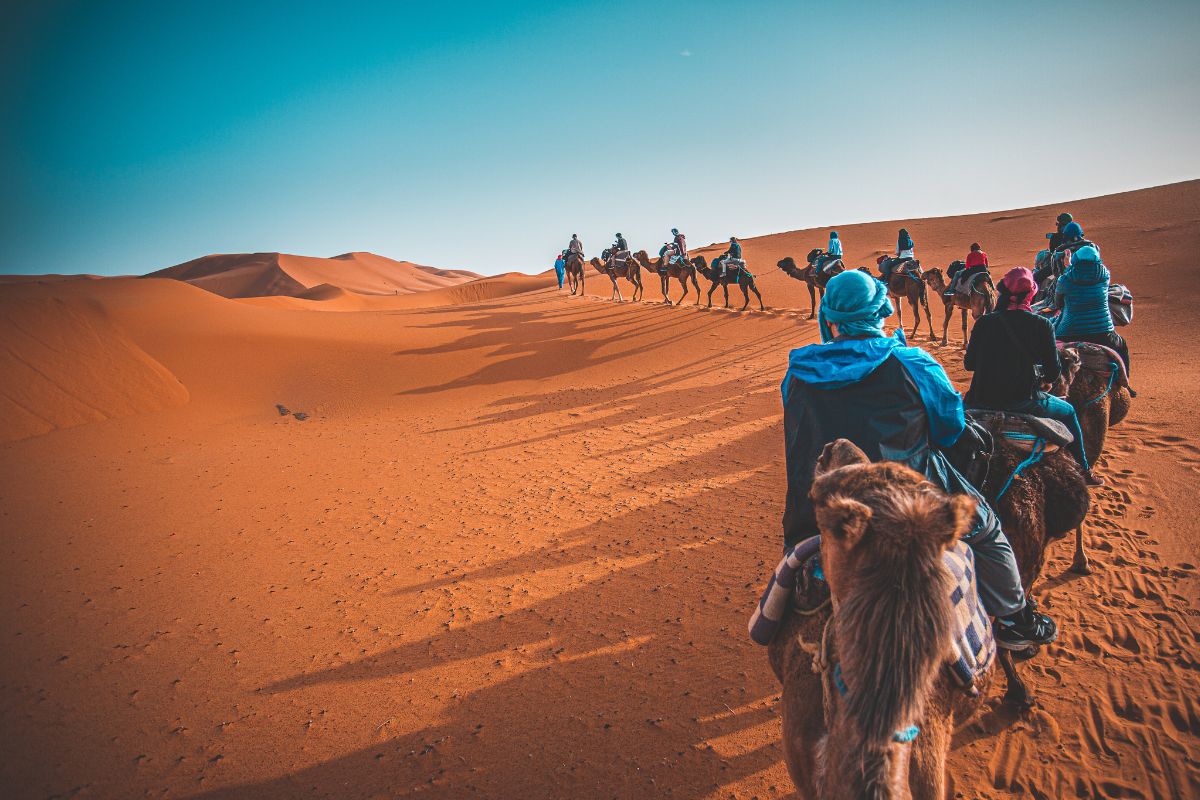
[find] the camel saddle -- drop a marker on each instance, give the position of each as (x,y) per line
(1024,431)
(1098,358)
(797,585)
(619,258)
(967,288)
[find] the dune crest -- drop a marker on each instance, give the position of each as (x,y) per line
(242,275)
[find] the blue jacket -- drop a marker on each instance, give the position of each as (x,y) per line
(904,243)
(894,402)
(1082,291)
(835,248)
(735,250)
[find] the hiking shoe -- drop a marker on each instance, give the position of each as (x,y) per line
(1093,479)
(1030,629)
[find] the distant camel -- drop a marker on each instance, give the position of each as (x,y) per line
(905,285)
(979,298)
(869,705)
(816,279)
(680,270)
(741,277)
(574,269)
(630,270)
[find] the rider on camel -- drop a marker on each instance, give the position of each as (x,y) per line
(575,246)
(1082,294)
(733,253)
(833,252)
(904,252)
(893,402)
(1015,359)
(679,241)
(975,264)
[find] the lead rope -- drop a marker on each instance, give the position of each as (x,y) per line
(1112,377)
(1039,449)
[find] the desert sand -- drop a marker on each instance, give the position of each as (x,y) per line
(513,547)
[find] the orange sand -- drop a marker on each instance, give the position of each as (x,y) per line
(513,549)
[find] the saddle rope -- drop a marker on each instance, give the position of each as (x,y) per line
(1039,449)
(1112,377)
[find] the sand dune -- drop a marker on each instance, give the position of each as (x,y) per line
(512,550)
(65,363)
(283,275)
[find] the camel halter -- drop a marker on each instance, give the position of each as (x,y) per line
(831,676)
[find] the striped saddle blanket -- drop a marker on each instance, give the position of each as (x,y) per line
(974,644)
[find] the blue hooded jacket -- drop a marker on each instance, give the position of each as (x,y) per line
(835,245)
(1082,291)
(893,401)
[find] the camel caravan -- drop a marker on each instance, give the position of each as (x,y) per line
(918,520)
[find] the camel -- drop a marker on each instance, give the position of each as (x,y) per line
(903,285)
(574,269)
(853,703)
(1041,504)
(680,270)
(977,300)
(816,279)
(1100,401)
(741,277)
(631,271)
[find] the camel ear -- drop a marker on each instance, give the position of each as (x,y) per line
(843,519)
(959,518)
(839,453)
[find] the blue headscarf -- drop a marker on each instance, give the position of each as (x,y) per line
(833,234)
(1073,230)
(855,302)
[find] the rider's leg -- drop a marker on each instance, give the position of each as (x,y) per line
(1055,408)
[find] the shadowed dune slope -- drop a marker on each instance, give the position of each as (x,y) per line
(65,363)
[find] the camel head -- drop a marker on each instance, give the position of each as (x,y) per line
(788,265)
(701,265)
(1071,364)
(643,258)
(884,528)
(933,276)
(598,264)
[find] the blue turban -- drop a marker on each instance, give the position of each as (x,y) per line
(1073,230)
(833,234)
(855,302)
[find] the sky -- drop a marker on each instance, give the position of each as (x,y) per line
(481,135)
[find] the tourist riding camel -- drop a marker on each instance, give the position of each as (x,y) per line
(832,254)
(1082,294)
(1057,239)
(976,263)
(573,266)
(680,243)
(1014,358)
(669,267)
(575,246)
(732,257)
(905,249)
(895,403)
(738,275)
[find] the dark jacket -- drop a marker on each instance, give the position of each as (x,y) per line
(621,244)
(735,250)
(1004,369)
(894,402)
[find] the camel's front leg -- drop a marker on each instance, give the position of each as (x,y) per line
(899,312)
(812,301)
(697,285)
(746,296)
(711,289)
(757,294)
(946,324)
(666,289)
(725,288)
(964,323)
(916,317)
(927,770)
(617,290)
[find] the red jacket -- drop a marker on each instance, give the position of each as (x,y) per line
(977,258)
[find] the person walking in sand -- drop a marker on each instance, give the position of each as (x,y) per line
(560,267)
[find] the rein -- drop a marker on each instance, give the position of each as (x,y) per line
(831,678)
(1039,450)
(1112,377)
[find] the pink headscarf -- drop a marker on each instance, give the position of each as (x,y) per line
(1019,285)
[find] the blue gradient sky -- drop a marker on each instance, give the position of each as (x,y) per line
(481,135)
